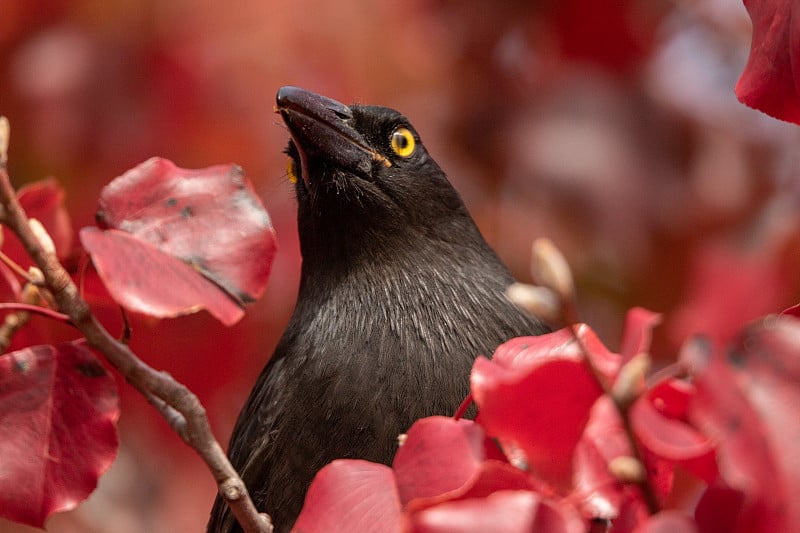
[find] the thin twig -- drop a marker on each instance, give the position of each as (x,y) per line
(18,270)
(151,383)
(37,309)
(648,491)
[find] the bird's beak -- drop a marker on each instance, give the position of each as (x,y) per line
(320,127)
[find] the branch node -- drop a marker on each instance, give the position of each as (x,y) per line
(232,489)
(630,382)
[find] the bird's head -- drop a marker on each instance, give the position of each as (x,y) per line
(362,172)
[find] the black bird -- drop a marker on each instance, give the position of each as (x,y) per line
(398,294)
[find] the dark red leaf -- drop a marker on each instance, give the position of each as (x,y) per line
(143,279)
(44,201)
(506,511)
(351,496)
(439,455)
(793,311)
(719,510)
(748,404)
(535,397)
(209,219)
(771,79)
(58,414)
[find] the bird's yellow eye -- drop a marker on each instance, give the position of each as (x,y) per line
(290,171)
(403,142)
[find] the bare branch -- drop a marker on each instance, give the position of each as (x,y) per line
(174,401)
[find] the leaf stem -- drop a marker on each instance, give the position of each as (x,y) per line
(465,404)
(37,309)
(18,270)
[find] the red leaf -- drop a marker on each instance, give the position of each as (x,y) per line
(793,311)
(771,79)
(528,352)
(439,455)
(143,279)
(507,511)
(729,288)
(639,323)
(44,201)
(58,414)
(672,397)
(673,440)
(748,404)
(599,493)
(535,396)
(351,496)
(209,219)
(492,476)
(667,522)
(719,510)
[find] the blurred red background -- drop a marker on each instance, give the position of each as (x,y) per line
(610,127)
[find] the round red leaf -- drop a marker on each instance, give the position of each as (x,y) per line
(771,79)
(439,455)
(210,219)
(535,397)
(351,496)
(58,414)
(143,279)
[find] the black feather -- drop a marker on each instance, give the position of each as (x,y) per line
(398,294)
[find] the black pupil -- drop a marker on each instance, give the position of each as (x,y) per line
(400,140)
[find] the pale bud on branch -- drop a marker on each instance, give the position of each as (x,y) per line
(550,269)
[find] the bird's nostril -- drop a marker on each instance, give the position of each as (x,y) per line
(343,114)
